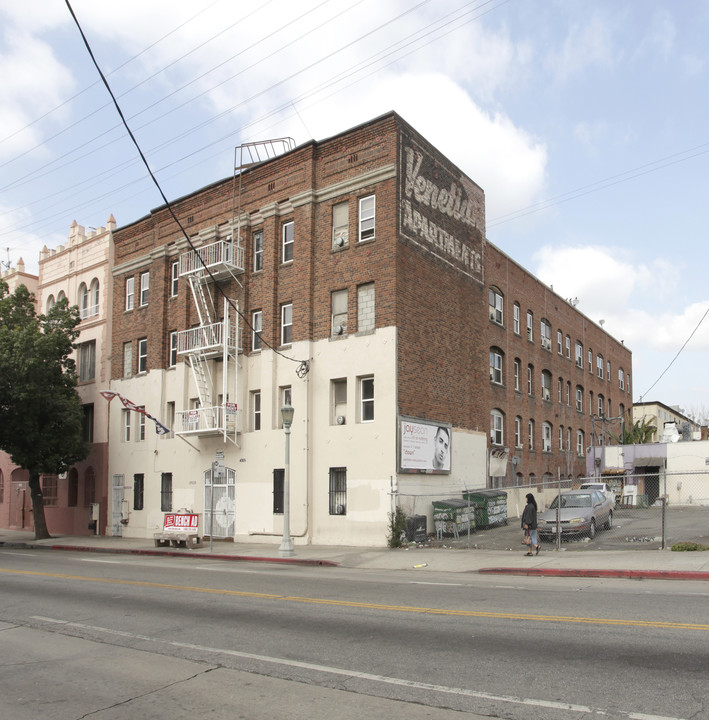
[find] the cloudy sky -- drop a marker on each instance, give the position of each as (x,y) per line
(586,123)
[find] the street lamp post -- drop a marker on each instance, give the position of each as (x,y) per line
(286,548)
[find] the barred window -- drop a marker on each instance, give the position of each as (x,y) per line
(338,491)
(166,492)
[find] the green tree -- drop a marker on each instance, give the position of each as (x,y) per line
(638,433)
(40,410)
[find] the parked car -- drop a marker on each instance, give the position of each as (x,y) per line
(581,512)
(599,486)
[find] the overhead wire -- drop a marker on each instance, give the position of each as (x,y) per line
(303,364)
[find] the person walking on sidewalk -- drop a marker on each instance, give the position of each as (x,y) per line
(529,523)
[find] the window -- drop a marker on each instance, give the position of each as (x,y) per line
(83,301)
(580,445)
(338,400)
(166,492)
(87,361)
(72,489)
(279,475)
(287,324)
(127,359)
(546,385)
(578,354)
(627,381)
(87,423)
(338,307)
(169,419)
(560,390)
(545,331)
(365,308)
(515,319)
(172,359)
(590,361)
(174,277)
(601,405)
(530,326)
(338,491)
(599,366)
(496,366)
(621,379)
(144,288)
(138,489)
(340,224)
(256,410)
(568,394)
(608,370)
(288,236)
(517,369)
(256,329)
(366,395)
(530,434)
(530,379)
(366,218)
(93,298)
(559,342)
(258,250)
(568,438)
(579,398)
(51,302)
(130,293)
(546,437)
(143,355)
(140,430)
(518,432)
(561,437)
(126,426)
(49,489)
(567,346)
(496,307)
(497,421)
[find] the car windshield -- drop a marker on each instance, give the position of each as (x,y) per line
(569,501)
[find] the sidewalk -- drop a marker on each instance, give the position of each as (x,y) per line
(648,564)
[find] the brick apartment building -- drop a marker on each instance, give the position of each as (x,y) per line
(351,279)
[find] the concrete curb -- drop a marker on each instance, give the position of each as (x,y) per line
(173,553)
(632,574)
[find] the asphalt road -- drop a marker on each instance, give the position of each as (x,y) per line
(129,637)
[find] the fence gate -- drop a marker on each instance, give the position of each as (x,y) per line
(117,506)
(224,507)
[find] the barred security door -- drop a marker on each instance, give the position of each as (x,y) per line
(224,507)
(117,506)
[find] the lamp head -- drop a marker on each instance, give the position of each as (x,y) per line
(287,415)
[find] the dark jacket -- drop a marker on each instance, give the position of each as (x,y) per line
(529,516)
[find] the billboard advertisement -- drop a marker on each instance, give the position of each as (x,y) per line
(424,446)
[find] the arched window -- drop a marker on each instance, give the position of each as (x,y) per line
(83,300)
(545,331)
(546,437)
(518,366)
(61,296)
(599,366)
(601,405)
(89,487)
(530,326)
(50,302)
(515,318)
(496,303)
(579,398)
(530,435)
(530,379)
(518,432)
(93,298)
(580,444)
(496,369)
(497,427)
(546,385)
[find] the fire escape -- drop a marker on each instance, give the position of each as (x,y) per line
(212,348)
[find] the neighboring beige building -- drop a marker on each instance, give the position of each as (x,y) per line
(81,272)
(657,414)
(17,276)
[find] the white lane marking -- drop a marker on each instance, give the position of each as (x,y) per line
(107,562)
(478,694)
(420,582)
(12,552)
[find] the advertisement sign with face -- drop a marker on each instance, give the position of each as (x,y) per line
(424,447)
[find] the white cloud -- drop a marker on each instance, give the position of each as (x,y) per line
(585,45)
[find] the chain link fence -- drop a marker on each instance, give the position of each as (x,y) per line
(649,510)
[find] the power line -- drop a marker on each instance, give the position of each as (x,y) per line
(303,364)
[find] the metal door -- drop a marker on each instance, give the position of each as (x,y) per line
(117,505)
(224,507)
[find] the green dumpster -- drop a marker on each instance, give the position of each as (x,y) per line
(453,517)
(490,507)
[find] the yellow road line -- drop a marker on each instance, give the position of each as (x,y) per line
(374,606)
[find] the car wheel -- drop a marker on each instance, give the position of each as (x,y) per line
(609,522)
(592,529)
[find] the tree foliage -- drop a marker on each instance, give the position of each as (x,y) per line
(40,411)
(639,432)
